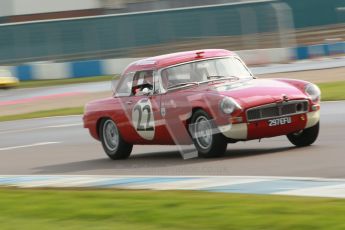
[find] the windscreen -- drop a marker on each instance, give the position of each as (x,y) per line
(204,70)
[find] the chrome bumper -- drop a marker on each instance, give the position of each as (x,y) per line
(240,131)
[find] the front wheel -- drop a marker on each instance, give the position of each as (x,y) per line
(113,144)
(305,137)
(206,142)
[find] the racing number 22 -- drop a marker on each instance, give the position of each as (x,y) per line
(140,126)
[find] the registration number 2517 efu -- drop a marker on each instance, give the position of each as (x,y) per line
(279,121)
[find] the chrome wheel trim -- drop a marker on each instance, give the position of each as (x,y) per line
(203,132)
(110,135)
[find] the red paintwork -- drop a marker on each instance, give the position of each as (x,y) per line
(261,129)
(166,60)
(248,94)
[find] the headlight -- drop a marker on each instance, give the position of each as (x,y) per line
(228,105)
(313,91)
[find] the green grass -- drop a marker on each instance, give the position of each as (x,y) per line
(44,113)
(333,90)
(41,83)
(114,209)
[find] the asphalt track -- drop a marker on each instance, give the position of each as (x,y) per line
(59,145)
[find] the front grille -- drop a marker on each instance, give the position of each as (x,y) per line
(277,110)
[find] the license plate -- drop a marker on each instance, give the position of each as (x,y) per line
(279,121)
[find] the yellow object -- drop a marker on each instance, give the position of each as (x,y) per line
(7,79)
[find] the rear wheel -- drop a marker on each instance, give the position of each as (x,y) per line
(206,142)
(305,137)
(113,144)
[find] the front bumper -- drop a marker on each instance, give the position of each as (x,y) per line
(260,129)
(312,118)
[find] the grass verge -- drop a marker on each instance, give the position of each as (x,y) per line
(332,90)
(44,113)
(41,83)
(121,209)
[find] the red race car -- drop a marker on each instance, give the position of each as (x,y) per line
(205,99)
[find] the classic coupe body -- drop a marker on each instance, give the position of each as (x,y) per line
(208,98)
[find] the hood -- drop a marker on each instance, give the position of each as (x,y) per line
(258,91)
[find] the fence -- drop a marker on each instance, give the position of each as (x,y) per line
(116,35)
(308,13)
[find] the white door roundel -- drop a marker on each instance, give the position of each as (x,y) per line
(143,120)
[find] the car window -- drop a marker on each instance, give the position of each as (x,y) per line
(124,86)
(142,83)
(239,68)
(231,67)
(178,74)
(143,77)
(201,71)
(135,83)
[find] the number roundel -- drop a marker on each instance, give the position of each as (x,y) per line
(143,120)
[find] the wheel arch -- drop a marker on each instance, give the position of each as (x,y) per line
(218,143)
(196,108)
(99,122)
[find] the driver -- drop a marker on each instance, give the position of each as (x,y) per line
(145,82)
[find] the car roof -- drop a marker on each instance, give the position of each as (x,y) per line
(166,60)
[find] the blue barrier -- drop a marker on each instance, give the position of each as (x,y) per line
(317,50)
(23,72)
(302,52)
(336,48)
(86,68)
(305,52)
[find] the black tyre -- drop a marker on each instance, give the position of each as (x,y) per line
(305,137)
(207,143)
(113,144)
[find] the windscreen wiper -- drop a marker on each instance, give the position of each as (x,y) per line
(183,84)
(219,77)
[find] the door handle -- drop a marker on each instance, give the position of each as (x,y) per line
(129,102)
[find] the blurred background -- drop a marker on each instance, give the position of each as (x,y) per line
(67,30)
(57,55)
